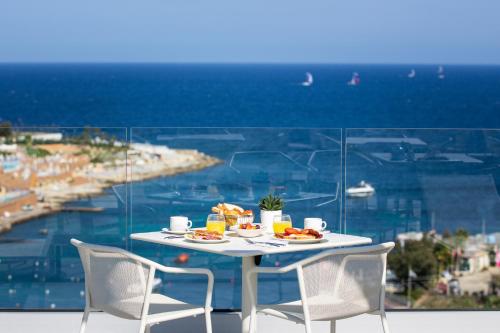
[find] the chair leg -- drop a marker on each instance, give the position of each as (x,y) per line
(308,326)
(253,321)
(332,326)
(148,329)
(85,318)
(385,324)
(144,327)
(208,321)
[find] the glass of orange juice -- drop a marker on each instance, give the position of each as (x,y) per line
(216,222)
(281,222)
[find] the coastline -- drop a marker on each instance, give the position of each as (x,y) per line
(55,199)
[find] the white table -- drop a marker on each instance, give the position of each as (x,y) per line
(238,247)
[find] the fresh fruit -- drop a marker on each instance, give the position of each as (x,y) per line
(249,226)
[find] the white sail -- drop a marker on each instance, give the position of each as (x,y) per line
(412,74)
(309,80)
(355,80)
(440,72)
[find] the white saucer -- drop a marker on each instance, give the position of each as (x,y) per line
(175,232)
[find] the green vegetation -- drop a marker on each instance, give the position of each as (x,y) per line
(36,152)
(5,129)
(460,302)
(417,254)
(271,203)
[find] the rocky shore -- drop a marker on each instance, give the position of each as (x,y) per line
(142,162)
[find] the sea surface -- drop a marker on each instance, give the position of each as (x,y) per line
(249,95)
(454,183)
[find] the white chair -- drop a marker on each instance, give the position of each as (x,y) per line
(120,283)
(335,284)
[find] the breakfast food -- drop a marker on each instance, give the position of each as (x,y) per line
(249,230)
(230,209)
(233,214)
(206,235)
(249,226)
(297,234)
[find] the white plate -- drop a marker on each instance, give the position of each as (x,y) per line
(300,241)
(175,232)
(249,233)
(189,238)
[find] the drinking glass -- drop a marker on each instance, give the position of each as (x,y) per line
(216,222)
(281,222)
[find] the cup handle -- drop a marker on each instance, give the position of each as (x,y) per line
(323,225)
(190,224)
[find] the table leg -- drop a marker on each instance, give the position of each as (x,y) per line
(246,290)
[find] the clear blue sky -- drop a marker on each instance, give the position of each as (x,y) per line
(303,31)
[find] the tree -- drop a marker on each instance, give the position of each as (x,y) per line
(461,236)
(443,256)
(5,129)
(417,254)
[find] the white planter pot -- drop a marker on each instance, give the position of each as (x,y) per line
(267,219)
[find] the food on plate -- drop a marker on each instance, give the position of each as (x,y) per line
(233,214)
(206,235)
(249,230)
(249,226)
(292,233)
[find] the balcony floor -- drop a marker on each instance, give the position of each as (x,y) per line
(400,322)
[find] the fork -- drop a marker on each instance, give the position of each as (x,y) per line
(250,241)
(172,237)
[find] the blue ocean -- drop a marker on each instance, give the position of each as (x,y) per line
(426,144)
(249,95)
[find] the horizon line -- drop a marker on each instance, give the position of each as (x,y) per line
(242,63)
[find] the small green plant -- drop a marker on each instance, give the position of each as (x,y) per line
(271,202)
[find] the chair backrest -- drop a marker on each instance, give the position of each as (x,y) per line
(346,282)
(116,281)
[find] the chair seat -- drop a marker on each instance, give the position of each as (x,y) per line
(294,310)
(291,310)
(162,306)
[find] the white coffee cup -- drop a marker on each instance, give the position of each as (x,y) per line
(315,223)
(180,223)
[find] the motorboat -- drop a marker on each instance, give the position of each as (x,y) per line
(362,190)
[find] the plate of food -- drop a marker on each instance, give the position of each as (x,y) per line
(300,236)
(205,236)
(233,214)
(249,230)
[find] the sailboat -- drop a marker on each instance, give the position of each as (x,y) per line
(355,80)
(309,80)
(440,72)
(412,74)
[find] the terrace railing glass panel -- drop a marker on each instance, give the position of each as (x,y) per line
(435,192)
(55,184)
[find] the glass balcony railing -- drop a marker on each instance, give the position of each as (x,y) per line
(434,192)
(59,183)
